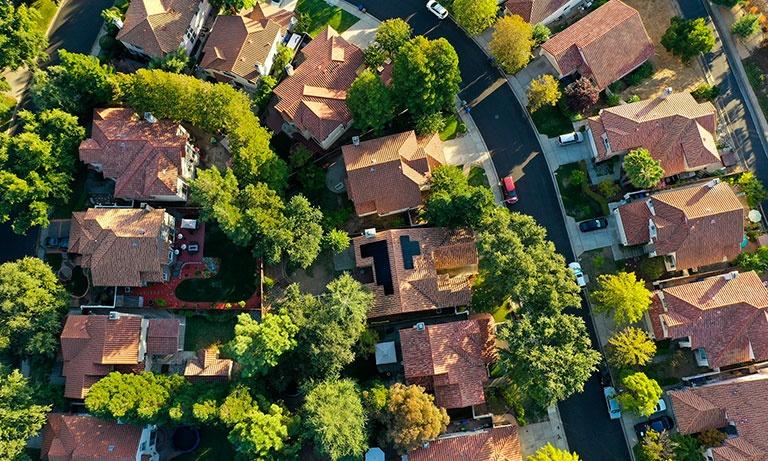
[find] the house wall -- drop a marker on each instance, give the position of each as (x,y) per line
(146,445)
(195,25)
(560,11)
(266,67)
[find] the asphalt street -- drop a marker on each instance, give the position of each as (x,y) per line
(76,26)
(513,146)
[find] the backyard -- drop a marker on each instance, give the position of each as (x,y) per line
(319,14)
(207,329)
(579,200)
(213,446)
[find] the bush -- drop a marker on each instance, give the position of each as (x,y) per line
(633,98)
(756,261)
(581,95)
(752,188)
(608,189)
(541,34)
(577,178)
(637,76)
(711,438)
(428,124)
(613,100)
(705,92)
(746,26)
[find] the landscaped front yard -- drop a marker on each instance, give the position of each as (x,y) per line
(321,14)
(551,121)
(579,200)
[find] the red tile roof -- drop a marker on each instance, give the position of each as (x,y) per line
(314,97)
(534,11)
(677,131)
(386,175)
(496,444)
(605,45)
(742,402)
(157,26)
(208,366)
(450,359)
(163,336)
(145,159)
(87,438)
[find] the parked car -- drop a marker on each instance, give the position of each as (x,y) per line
(611,398)
(593,224)
(661,405)
(437,9)
(570,138)
(605,375)
(509,190)
(662,423)
(578,273)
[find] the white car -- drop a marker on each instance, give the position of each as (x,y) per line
(661,405)
(578,273)
(570,138)
(437,9)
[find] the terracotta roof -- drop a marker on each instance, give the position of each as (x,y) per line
(208,366)
(87,438)
(606,44)
(330,63)
(701,224)
(157,26)
(441,265)
(450,359)
(534,11)
(163,336)
(676,130)
(742,402)
(385,175)
(237,43)
(121,246)
(496,444)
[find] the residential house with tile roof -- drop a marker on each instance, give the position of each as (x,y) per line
(241,48)
(388,175)
(416,270)
(738,406)
(85,437)
(494,444)
(677,131)
(604,46)
(451,359)
(313,99)
(539,11)
(123,247)
(692,227)
(148,159)
(722,318)
(208,366)
(154,28)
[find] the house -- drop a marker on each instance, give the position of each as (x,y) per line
(416,270)
(312,100)
(388,175)
(451,359)
(241,48)
(736,406)
(148,159)
(692,227)
(207,366)
(539,11)
(677,131)
(85,437)
(604,46)
(494,444)
(92,346)
(123,247)
(154,28)
(722,318)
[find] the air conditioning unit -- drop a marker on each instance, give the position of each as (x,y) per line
(356,140)
(420,326)
(731,275)
(114,315)
(369,233)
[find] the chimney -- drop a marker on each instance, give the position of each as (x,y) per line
(420,326)
(667,91)
(369,233)
(731,275)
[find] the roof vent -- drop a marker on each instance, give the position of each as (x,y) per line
(369,233)
(420,326)
(289,69)
(666,93)
(114,315)
(731,275)
(149,117)
(356,140)
(713,183)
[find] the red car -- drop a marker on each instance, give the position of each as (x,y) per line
(509,190)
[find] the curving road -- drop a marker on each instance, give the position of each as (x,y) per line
(513,145)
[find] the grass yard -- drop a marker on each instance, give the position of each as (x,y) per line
(477,177)
(756,67)
(453,128)
(578,203)
(212,328)
(322,14)
(47,9)
(213,446)
(550,121)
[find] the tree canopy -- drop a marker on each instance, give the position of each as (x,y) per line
(475,15)
(753,188)
(411,417)
(453,202)
(642,170)
(549,453)
(511,43)
(746,26)
(140,398)
(631,347)
(21,418)
(258,345)
(688,38)
(581,95)
(656,446)
(370,102)
(543,91)
(392,34)
(624,295)
(22,42)
(334,419)
(640,394)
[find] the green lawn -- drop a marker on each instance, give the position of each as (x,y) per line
(213,446)
(550,121)
(203,330)
(477,177)
(577,202)
(47,9)
(321,14)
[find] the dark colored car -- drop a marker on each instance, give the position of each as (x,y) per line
(509,190)
(593,225)
(662,423)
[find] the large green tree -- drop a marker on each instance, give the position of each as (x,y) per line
(411,417)
(60,129)
(21,418)
(334,419)
(475,15)
(549,453)
(511,43)
(623,295)
(656,446)
(642,169)
(258,345)
(22,42)
(140,398)
(746,26)
(392,34)
(453,202)
(640,394)
(370,102)
(631,347)
(688,38)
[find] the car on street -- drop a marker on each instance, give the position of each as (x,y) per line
(662,423)
(570,138)
(593,224)
(509,190)
(578,273)
(611,398)
(437,9)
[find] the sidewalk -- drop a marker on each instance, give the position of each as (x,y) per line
(536,435)
(363,32)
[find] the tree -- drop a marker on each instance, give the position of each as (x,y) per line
(425,75)
(412,418)
(374,56)
(306,231)
(746,26)
(257,346)
(624,295)
(21,40)
(336,240)
(631,347)
(369,102)
(20,417)
(143,398)
(475,15)
(543,91)
(548,357)
(176,62)
(709,438)
(233,6)
(706,92)
(640,395)
(687,448)
(512,43)
(429,124)
(687,38)
(60,129)
(642,169)
(263,91)
(453,202)
(392,34)
(540,34)
(334,419)
(581,95)
(753,188)
(32,305)
(655,446)
(549,453)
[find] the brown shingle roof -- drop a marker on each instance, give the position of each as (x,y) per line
(157,26)
(534,11)
(386,175)
(606,44)
(208,366)
(163,336)
(677,130)
(424,286)
(496,444)
(145,159)
(330,62)
(120,246)
(87,438)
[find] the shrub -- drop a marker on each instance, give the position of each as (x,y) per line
(746,26)
(637,76)
(705,92)
(581,95)
(608,189)
(431,123)
(752,188)
(711,438)
(613,100)
(540,34)
(577,178)
(633,98)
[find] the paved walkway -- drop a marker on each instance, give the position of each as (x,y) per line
(536,435)
(363,32)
